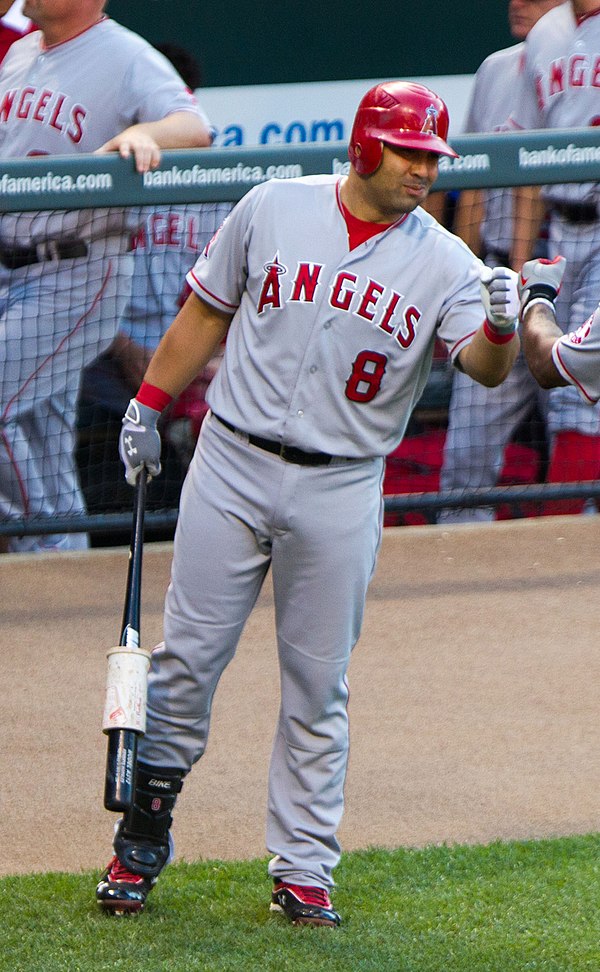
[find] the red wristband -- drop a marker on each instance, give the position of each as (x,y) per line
(494,336)
(153,397)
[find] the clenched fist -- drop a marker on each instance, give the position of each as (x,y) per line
(500,298)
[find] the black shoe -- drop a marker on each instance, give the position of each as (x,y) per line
(120,892)
(304,905)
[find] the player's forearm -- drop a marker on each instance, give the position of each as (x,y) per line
(486,362)
(539,332)
(181,129)
(187,346)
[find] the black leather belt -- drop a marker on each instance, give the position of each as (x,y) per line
(24,256)
(285,452)
(576,212)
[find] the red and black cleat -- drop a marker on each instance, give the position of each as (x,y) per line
(304,905)
(120,892)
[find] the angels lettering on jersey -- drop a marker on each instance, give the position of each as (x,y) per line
(582,332)
(575,71)
(172,230)
(368,300)
(48,109)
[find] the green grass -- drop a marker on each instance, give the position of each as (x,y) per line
(508,906)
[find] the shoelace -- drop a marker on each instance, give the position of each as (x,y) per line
(310,895)
(118,872)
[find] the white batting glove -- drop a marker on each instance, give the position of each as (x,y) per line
(539,282)
(500,299)
(139,442)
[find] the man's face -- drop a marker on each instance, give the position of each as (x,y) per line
(523,14)
(402,181)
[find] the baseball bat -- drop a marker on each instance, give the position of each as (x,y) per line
(125,706)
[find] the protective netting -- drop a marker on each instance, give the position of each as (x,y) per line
(81,317)
(465,439)
(80,320)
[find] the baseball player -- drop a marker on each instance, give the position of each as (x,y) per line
(331,292)
(474,450)
(556,358)
(80,84)
(559,89)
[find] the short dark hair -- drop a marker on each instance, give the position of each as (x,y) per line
(184,62)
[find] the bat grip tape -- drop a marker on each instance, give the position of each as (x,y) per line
(126,689)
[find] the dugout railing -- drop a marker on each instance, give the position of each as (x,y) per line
(61,184)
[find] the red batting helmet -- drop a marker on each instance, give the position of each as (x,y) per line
(399,113)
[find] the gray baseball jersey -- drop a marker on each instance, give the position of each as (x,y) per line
(58,315)
(330,349)
(72,97)
(577,357)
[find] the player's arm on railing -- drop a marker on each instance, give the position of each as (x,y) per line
(180,129)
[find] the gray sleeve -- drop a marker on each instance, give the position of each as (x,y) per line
(577,358)
(155,90)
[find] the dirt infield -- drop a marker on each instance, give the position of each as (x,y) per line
(474,698)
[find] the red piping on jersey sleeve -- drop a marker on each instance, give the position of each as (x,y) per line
(460,344)
(567,374)
(338,198)
(200,286)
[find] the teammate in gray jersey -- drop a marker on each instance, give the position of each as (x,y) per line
(80,84)
(482,421)
(559,89)
(331,292)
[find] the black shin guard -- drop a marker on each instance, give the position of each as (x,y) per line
(142,838)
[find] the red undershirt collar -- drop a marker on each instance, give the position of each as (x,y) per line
(361,230)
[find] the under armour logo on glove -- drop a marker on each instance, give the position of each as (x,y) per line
(131,449)
(139,442)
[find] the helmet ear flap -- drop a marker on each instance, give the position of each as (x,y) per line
(366,154)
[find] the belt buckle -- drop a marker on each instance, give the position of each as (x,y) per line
(292,454)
